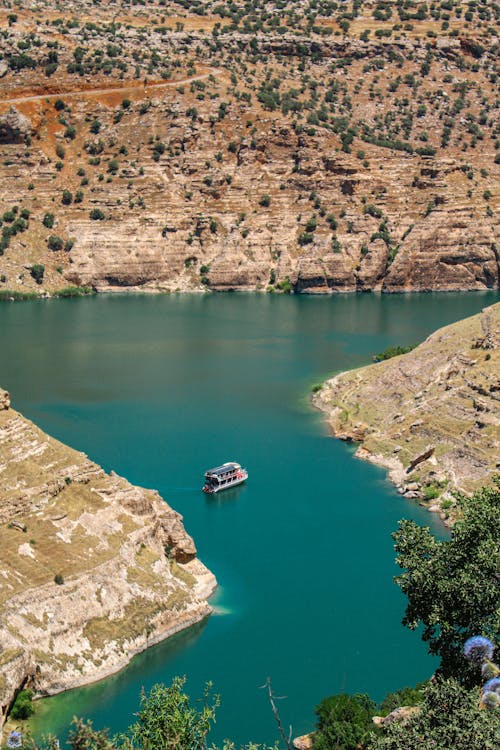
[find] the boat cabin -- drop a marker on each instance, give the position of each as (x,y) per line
(226,475)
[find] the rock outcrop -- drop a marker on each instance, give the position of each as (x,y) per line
(92,569)
(14,127)
(432,416)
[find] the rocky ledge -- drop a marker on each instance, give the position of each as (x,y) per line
(92,569)
(431,416)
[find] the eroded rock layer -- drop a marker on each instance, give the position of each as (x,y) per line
(92,569)
(319,148)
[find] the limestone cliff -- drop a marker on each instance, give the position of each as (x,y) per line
(92,569)
(431,416)
(157,147)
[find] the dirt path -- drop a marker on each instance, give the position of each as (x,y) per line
(115,90)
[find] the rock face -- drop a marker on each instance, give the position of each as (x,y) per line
(14,127)
(367,160)
(92,569)
(431,416)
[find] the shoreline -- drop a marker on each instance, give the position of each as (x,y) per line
(75,292)
(430,416)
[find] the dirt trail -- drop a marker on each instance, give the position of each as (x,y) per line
(114,90)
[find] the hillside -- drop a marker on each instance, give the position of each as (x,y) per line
(432,416)
(313,146)
(92,569)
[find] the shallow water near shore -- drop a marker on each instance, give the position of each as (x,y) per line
(160,388)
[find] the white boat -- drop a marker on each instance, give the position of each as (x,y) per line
(222,477)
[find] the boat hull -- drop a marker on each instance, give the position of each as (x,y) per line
(215,490)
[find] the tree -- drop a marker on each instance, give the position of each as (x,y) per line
(452,585)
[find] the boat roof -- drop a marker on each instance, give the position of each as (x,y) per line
(223,468)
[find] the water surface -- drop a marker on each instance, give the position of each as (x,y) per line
(161,388)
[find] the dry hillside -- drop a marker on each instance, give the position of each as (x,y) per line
(431,416)
(92,569)
(299,146)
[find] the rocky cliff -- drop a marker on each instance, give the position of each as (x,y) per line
(432,416)
(314,150)
(92,569)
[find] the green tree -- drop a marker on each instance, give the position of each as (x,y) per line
(452,585)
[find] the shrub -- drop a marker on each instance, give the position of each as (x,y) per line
(55,243)
(344,722)
(48,220)
(23,706)
(37,271)
(60,151)
(67,197)
(403,697)
(58,579)
(392,351)
(96,214)
(265,201)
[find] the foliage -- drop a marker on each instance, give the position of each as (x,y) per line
(37,271)
(407,696)
(452,585)
(167,720)
(23,706)
(450,718)
(344,722)
(75,291)
(54,242)
(392,351)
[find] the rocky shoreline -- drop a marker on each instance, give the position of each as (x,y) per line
(93,570)
(430,417)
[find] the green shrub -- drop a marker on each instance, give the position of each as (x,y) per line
(74,291)
(407,696)
(55,243)
(23,706)
(392,351)
(48,220)
(58,579)
(344,722)
(37,271)
(96,214)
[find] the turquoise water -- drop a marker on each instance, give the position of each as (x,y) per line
(161,388)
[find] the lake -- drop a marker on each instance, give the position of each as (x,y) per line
(160,388)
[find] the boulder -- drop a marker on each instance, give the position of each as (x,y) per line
(14,127)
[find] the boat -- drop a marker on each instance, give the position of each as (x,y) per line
(222,477)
